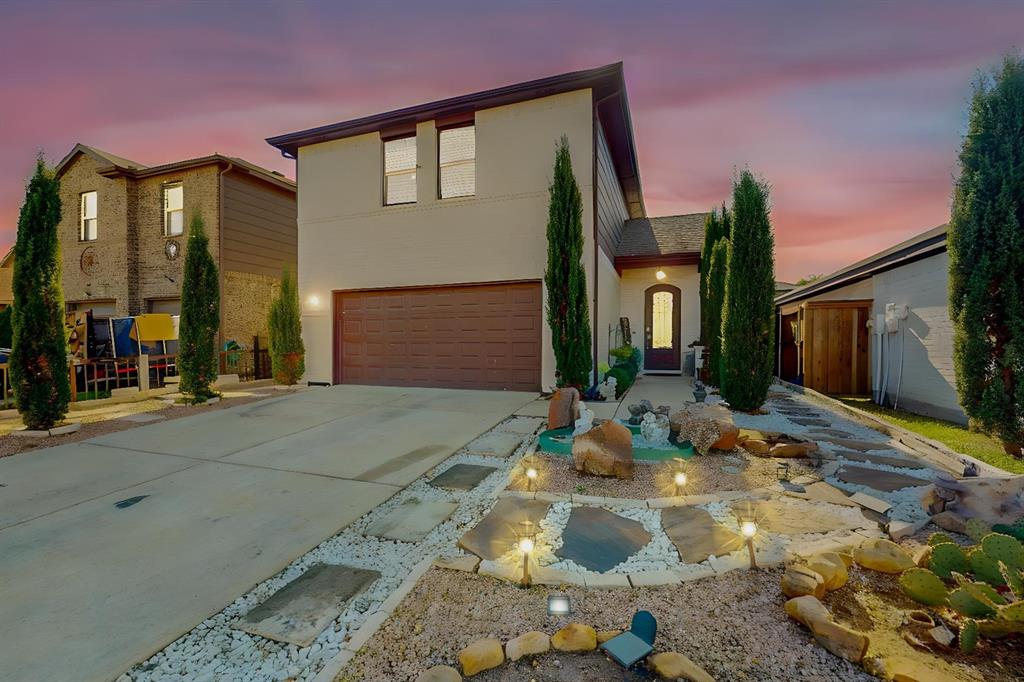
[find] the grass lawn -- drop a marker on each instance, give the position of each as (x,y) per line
(953,436)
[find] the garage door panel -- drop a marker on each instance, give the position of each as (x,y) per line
(486,336)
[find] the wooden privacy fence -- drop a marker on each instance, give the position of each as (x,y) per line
(835,347)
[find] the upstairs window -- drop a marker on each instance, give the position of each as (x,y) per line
(400,171)
(456,169)
(174,210)
(87,227)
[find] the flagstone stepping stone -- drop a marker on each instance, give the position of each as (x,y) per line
(798,411)
(825,492)
(462,476)
(141,417)
(732,470)
(524,426)
(599,540)
(795,517)
(809,421)
(495,444)
(412,520)
(495,535)
(900,462)
(859,445)
(697,535)
(830,432)
(886,481)
(300,610)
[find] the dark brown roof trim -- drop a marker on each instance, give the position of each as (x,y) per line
(219,159)
(633,262)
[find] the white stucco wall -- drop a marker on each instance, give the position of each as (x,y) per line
(608,303)
(636,281)
(929,383)
(349,240)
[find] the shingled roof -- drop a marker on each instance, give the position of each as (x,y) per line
(663,236)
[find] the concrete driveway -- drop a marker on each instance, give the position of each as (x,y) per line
(87,589)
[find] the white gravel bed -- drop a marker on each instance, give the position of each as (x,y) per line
(215,651)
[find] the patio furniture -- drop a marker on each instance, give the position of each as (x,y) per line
(635,644)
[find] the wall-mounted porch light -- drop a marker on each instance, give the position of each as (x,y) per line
(660,275)
(313,301)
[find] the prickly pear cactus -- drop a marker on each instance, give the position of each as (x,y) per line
(939,538)
(969,635)
(923,586)
(975,600)
(948,558)
(1012,612)
(1014,579)
(985,568)
(1016,529)
(1004,548)
(976,529)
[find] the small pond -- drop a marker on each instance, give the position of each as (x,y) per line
(559,442)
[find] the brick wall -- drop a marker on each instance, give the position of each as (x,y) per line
(245,303)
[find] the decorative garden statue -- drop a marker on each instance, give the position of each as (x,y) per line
(655,429)
(607,388)
(585,422)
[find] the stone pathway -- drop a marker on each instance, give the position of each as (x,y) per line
(495,535)
(412,521)
(495,443)
(599,540)
(462,476)
(696,535)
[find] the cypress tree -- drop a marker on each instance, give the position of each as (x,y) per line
(748,315)
(716,299)
(200,315)
(285,323)
(566,281)
(711,235)
(39,353)
(986,258)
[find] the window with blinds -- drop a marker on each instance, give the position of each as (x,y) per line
(400,171)
(174,210)
(457,162)
(87,228)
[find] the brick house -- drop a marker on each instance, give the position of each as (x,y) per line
(124,228)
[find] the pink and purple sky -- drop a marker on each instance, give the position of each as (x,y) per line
(852,111)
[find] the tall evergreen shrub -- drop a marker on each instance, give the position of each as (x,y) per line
(567,310)
(200,315)
(712,233)
(716,299)
(39,353)
(285,323)
(986,258)
(748,343)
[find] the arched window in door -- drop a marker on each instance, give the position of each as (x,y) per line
(662,327)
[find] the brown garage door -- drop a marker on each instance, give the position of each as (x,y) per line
(480,336)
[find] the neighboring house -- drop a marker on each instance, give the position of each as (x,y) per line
(880,326)
(124,228)
(423,242)
(783,287)
(6,273)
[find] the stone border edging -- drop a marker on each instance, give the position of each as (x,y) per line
(930,450)
(372,623)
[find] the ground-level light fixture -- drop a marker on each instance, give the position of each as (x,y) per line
(782,471)
(531,472)
(526,537)
(679,474)
(749,530)
(660,275)
(559,605)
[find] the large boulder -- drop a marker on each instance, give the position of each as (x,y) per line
(708,427)
(774,444)
(563,408)
(575,637)
(800,580)
(529,644)
(481,655)
(884,556)
(605,450)
(673,666)
(839,639)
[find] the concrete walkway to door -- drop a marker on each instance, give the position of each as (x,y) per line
(228,498)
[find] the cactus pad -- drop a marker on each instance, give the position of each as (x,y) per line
(1015,530)
(1004,548)
(974,600)
(947,558)
(969,636)
(938,539)
(1014,579)
(976,529)
(985,568)
(923,586)
(1012,612)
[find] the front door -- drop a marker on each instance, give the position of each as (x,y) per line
(661,328)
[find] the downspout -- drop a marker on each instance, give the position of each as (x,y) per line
(220,256)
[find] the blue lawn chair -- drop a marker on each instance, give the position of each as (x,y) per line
(635,644)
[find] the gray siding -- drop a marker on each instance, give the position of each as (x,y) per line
(611,206)
(259,230)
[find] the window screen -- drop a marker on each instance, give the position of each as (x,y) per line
(457,162)
(400,171)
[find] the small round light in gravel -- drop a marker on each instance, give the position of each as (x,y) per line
(680,478)
(749,529)
(531,473)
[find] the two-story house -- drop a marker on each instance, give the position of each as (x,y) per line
(124,228)
(422,241)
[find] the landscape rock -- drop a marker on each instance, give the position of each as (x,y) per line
(673,666)
(706,426)
(799,580)
(605,450)
(563,408)
(922,556)
(838,639)
(481,655)
(756,446)
(604,635)
(832,569)
(884,556)
(575,637)
(440,673)
(951,521)
(774,444)
(527,644)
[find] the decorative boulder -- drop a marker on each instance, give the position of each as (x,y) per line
(774,444)
(440,673)
(575,637)
(673,666)
(655,429)
(528,644)
(884,556)
(481,655)
(831,567)
(563,408)
(799,580)
(839,639)
(605,450)
(585,421)
(706,426)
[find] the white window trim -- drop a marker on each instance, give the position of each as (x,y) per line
(82,232)
(167,212)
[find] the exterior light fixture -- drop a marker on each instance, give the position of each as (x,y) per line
(782,471)
(679,477)
(530,471)
(559,605)
(525,541)
(749,530)
(660,274)
(531,478)
(313,301)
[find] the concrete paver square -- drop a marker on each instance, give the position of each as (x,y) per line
(412,520)
(300,610)
(462,476)
(600,540)
(495,535)
(495,444)
(524,426)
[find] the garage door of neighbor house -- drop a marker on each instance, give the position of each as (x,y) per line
(475,336)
